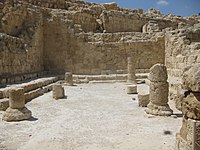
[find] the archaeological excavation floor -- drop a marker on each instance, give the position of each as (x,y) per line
(95,117)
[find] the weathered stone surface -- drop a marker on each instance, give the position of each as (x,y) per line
(16,114)
(189,136)
(143,100)
(159,93)
(191,78)
(131,70)
(58,91)
(158,110)
(69,78)
(131,89)
(16,98)
(4,104)
(158,73)
(159,90)
(191,106)
(17,110)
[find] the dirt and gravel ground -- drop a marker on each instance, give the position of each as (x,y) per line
(92,117)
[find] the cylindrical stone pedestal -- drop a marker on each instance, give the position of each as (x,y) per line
(58,91)
(131,79)
(16,98)
(143,100)
(159,89)
(17,110)
(69,78)
(131,89)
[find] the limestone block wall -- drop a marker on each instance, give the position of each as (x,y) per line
(114,21)
(16,57)
(59,45)
(54,4)
(12,54)
(182,50)
(92,53)
(83,18)
(21,48)
(166,24)
(94,57)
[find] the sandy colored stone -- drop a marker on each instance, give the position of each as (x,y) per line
(4,104)
(191,78)
(16,98)
(159,90)
(58,91)
(143,100)
(69,78)
(16,114)
(158,73)
(189,136)
(158,110)
(131,89)
(191,106)
(16,110)
(159,93)
(131,67)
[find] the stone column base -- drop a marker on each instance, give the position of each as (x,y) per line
(69,79)
(158,110)
(131,89)
(16,114)
(58,91)
(143,100)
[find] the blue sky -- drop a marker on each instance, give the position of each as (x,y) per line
(177,7)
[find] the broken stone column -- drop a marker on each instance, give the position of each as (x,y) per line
(58,91)
(69,78)
(189,104)
(131,70)
(16,110)
(159,89)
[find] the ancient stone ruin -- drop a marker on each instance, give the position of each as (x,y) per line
(58,91)
(189,104)
(159,90)
(138,57)
(17,110)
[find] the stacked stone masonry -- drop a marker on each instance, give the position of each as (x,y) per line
(89,38)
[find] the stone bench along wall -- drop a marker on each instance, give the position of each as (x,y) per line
(31,90)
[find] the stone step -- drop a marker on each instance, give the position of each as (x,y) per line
(29,86)
(32,90)
(103,78)
(37,92)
